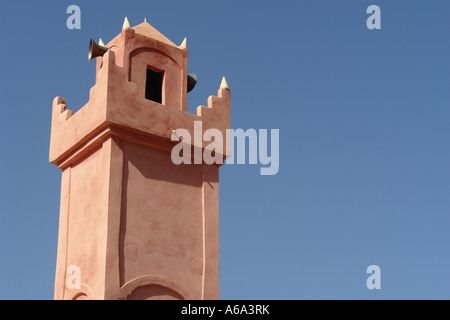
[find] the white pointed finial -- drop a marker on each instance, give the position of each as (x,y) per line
(126,24)
(184,44)
(145,20)
(224,84)
(100,42)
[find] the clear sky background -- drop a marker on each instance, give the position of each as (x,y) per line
(364,139)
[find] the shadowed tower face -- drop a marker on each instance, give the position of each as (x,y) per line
(135,225)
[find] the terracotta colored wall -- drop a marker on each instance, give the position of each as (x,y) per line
(161,219)
(87,218)
(83,233)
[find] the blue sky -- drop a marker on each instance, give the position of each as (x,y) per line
(363,117)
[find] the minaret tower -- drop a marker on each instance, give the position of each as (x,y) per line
(134,224)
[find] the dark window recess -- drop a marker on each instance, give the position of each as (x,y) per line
(153,88)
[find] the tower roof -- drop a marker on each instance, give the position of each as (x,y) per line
(145,29)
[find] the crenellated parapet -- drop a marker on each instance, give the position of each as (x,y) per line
(117,102)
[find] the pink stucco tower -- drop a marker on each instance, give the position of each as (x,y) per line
(134,224)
